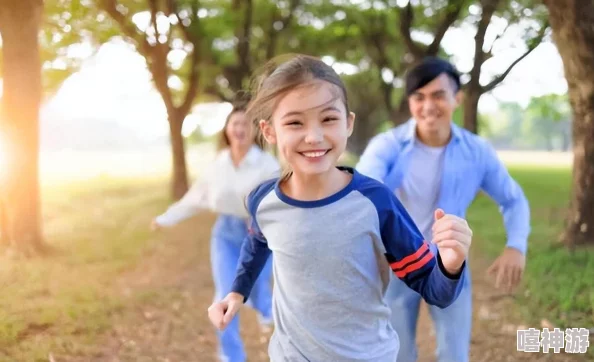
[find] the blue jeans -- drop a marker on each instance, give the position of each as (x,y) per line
(452,324)
(228,234)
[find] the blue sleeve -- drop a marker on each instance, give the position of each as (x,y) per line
(410,256)
(254,250)
(377,158)
(411,259)
(507,193)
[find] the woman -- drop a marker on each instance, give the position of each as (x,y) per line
(239,166)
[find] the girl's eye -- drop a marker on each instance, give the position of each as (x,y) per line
(293,123)
(330,119)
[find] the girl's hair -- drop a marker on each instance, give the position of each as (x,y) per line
(239,106)
(282,75)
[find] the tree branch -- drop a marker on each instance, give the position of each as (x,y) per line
(454,8)
(154,10)
(243,46)
(406,19)
(190,37)
(172,8)
(533,44)
(488,9)
(489,53)
(192,91)
(285,22)
(155,56)
(128,28)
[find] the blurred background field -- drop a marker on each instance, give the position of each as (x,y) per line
(109,109)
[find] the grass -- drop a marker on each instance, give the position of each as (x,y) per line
(62,304)
(558,284)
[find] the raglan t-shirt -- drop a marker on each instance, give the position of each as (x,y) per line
(332,263)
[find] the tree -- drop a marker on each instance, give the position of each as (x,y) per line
(448,12)
(68,24)
(512,12)
(171,25)
(573,33)
(258,29)
(19,121)
(368,106)
(218,43)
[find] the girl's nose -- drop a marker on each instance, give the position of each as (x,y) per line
(314,135)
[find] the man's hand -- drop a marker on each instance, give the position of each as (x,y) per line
(453,237)
(508,269)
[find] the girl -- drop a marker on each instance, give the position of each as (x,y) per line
(335,233)
(239,166)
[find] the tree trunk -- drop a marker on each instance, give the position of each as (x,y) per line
(4,238)
(19,117)
(179,179)
(402,113)
(573,33)
(471,101)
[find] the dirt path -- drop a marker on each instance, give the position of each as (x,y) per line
(170,291)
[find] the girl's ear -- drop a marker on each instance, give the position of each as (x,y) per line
(350,123)
(267,131)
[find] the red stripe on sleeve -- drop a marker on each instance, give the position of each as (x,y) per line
(416,266)
(416,255)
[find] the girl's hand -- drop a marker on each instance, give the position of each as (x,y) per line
(453,237)
(221,313)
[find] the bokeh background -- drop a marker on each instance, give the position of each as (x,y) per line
(109,109)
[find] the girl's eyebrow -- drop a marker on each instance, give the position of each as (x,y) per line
(297,113)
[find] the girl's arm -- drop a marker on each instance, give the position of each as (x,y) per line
(253,256)
(254,250)
(412,260)
(410,256)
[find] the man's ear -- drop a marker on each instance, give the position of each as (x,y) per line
(459,97)
(267,131)
(350,123)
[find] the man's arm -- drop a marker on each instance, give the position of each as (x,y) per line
(507,193)
(377,158)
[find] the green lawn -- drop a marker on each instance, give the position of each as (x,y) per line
(63,302)
(558,284)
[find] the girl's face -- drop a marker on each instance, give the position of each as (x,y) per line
(310,128)
(239,131)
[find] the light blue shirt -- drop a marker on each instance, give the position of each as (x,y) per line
(470,165)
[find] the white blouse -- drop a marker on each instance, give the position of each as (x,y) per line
(223,187)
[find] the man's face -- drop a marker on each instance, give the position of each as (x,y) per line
(433,105)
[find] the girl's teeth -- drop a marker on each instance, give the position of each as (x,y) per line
(313,154)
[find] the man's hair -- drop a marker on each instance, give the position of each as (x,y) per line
(427,70)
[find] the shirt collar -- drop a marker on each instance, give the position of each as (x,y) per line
(251,157)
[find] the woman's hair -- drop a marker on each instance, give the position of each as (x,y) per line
(239,106)
(282,75)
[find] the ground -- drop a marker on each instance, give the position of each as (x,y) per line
(113,291)
(174,327)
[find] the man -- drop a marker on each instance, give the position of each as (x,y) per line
(431,163)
